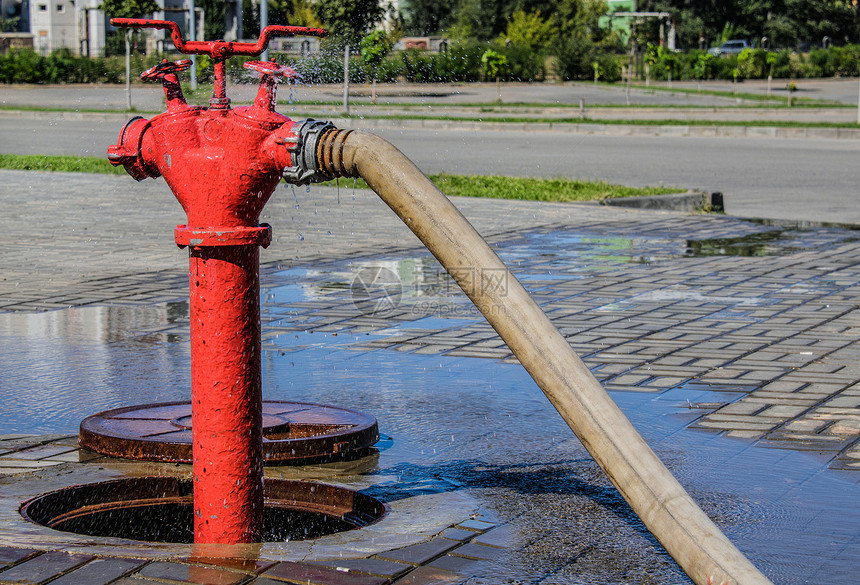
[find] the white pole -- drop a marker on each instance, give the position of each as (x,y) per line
(128,69)
(192,36)
(264,22)
(858,107)
(346,79)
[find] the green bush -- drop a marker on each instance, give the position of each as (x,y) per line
(573,58)
(389,70)
(462,62)
(418,66)
(523,64)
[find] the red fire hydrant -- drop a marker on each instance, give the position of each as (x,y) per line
(222,164)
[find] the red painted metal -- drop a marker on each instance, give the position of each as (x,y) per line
(222,164)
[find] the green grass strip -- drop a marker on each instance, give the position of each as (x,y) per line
(527,188)
(796,100)
(537,189)
(522,188)
(67,164)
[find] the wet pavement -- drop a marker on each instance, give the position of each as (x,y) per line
(732,345)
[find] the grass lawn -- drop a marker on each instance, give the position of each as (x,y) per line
(524,188)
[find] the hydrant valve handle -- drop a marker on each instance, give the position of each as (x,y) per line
(167,67)
(272,69)
(218,50)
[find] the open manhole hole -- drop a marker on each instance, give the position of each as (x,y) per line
(160,509)
(293,432)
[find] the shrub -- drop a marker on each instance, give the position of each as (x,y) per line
(523,64)
(462,62)
(573,58)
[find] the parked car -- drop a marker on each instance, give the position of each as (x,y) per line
(730,48)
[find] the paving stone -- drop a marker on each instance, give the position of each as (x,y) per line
(307,574)
(455,564)
(457,534)
(502,537)
(734,426)
(478,552)
(782,411)
(418,554)
(742,406)
(232,564)
(191,574)
(99,572)
(11,462)
(476,525)
(432,576)
(42,452)
(43,567)
(376,567)
(11,555)
(805,426)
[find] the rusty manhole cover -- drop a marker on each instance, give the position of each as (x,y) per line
(292,432)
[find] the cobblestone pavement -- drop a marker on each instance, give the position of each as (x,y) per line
(651,301)
(753,326)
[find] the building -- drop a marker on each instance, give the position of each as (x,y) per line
(53,24)
(79,25)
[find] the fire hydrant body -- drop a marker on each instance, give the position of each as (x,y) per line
(222,164)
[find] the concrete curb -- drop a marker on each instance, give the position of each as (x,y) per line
(680,202)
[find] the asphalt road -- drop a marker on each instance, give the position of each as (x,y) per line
(812,179)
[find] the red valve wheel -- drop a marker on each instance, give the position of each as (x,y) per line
(165,68)
(272,69)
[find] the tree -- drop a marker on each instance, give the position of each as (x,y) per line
(771,60)
(480,19)
(704,67)
(581,39)
(129,8)
(528,31)
(8,24)
(494,64)
(374,48)
(348,20)
(786,23)
(423,18)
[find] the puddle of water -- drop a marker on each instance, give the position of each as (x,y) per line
(438,323)
(61,366)
(774,242)
(475,424)
(771,243)
(457,423)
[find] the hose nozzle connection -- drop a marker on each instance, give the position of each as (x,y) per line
(317,153)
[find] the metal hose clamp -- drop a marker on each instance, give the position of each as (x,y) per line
(305,167)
